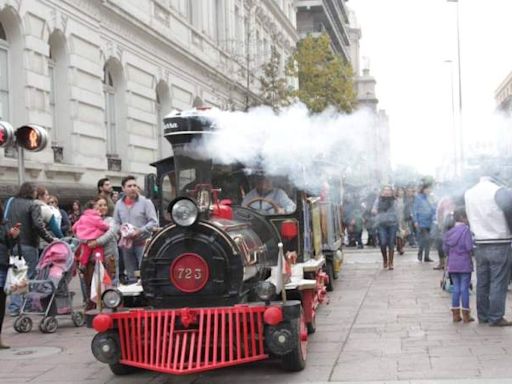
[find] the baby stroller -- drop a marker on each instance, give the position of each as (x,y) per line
(49,293)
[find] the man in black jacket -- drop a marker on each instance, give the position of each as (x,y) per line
(22,209)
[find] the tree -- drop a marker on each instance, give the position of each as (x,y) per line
(274,89)
(324,78)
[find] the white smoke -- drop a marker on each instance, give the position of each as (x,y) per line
(307,148)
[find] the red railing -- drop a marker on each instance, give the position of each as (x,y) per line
(188,340)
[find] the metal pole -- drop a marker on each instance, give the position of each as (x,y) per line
(455,157)
(21,165)
(460,97)
(460,90)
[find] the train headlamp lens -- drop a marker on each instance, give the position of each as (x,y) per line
(112,298)
(184,212)
(265,290)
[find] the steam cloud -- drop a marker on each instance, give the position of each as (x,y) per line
(307,148)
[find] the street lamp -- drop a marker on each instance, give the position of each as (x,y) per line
(460,89)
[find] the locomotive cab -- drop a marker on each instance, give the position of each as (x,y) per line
(222,254)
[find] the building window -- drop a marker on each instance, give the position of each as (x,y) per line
(159,123)
(218,20)
(51,74)
(163,106)
(238,30)
(258,48)
(59,98)
(109,91)
(194,13)
(4,76)
(247,35)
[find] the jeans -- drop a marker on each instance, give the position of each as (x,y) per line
(31,256)
(440,250)
(411,237)
(132,259)
(3,276)
(387,236)
(493,266)
(424,243)
(460,289)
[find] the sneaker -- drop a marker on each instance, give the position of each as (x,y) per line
(501,323)
(419,258)
(438,268)
(428,260)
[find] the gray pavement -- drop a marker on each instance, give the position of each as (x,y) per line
(380,327)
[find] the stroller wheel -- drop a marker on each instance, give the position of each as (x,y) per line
(48,325)
(78,318)
(23,324)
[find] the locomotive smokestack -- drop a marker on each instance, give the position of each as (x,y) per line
(182,128)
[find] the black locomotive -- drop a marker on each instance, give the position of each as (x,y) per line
(222,284)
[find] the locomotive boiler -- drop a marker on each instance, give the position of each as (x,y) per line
(221,284)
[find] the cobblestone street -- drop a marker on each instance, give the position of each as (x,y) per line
(380,326)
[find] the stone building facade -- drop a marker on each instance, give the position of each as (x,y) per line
(336,19)
(503,98)
(330,16)
(100,75)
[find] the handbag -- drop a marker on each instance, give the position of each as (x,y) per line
(446,282)
(16,281)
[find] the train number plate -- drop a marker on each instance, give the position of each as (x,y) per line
(189,272)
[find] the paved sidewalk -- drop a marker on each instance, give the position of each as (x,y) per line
(399,327)
(380,327)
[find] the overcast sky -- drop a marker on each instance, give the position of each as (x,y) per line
(407,43)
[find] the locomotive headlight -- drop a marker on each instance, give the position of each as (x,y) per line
(112,298)
(184,212)
(265,290)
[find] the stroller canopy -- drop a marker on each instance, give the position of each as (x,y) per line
(57,258)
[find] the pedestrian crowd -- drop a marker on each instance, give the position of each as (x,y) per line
(113,227)
(462,224)
(32,219)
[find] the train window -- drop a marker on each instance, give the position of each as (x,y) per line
(168,192)
(232,182)
(270,195)
(187,180)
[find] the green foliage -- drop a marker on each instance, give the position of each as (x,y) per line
(274,89)
(324,78)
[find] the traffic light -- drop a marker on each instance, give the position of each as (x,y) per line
(31,137)
(6,134)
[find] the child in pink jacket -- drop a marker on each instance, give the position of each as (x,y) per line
(90,226)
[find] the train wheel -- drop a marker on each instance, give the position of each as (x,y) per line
(296,359)
(121,369)
(329,269)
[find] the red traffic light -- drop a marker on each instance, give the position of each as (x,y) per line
(31,137)
(6,134)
